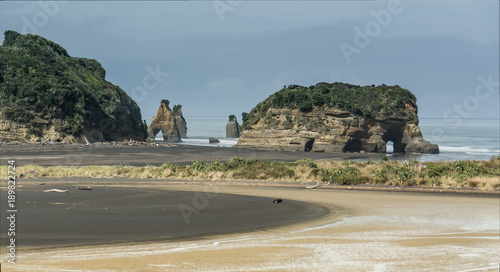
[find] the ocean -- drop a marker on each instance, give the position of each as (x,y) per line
(199,129)
(462,139)
(458,139)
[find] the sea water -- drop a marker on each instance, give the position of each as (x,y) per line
(200,129)
(458,139)
(462,139)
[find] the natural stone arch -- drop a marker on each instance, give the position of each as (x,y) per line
(395,135)
(309,145)
(164,121)
(353,145)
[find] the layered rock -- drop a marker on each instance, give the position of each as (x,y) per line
(180,121)
(330,129)
(164,121)
(232,128)
(47,95)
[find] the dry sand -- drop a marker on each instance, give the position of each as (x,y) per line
(366,231)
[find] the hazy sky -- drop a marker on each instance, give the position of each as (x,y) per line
(218,58)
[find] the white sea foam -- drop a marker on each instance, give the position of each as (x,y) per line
(204,142)
(468,150)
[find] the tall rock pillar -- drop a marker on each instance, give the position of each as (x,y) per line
(180,121)
(232,128)
(164,121)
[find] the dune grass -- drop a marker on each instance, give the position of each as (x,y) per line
(482,175)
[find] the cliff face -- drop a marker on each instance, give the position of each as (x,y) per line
(45,94)
(232,129)
(164,121)
(323,128)
(180,122)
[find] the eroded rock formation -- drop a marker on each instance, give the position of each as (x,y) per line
(330,129)
(337,131)
(180,121)
(232,128)
(164,121)
(47,95)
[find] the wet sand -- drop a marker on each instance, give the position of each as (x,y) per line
(364,231)
(114,213)
(148,154)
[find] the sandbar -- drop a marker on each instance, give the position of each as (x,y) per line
(363,231)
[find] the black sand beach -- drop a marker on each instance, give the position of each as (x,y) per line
(149,154)
(115,213)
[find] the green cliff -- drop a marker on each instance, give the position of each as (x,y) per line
(336,117)
(45,94)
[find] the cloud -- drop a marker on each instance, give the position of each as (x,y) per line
(227,87)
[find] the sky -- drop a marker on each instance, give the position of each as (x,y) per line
(217,58)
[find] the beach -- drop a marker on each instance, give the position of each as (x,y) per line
(168,224)
(141,154)
(353,231)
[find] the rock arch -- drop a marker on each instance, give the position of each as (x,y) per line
(309,145)
(353,145)
(164,121)
(395,135)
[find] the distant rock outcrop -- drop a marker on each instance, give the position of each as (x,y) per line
(213,140)
(232,127)
(180,121)
(336,118)
(164,121)
(47,95)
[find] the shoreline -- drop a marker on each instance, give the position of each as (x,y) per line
(125,211)
(141,154)
(404,224)
(204,186)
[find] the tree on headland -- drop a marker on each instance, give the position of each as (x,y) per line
(41,86)
(176,108)
(365,101)
(244,117)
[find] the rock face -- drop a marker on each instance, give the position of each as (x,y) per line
(330,129)
(47,95)
(164,121)
(180,121)
(232,128)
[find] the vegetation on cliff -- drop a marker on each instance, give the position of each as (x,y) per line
(176,108)
(39,80)
(363,101)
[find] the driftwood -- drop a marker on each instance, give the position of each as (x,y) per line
(314,186)
(56,191)
(84,188)
(277,200)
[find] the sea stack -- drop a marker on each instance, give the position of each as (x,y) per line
(232,127)
(336,117)
(180,121)
(164,121)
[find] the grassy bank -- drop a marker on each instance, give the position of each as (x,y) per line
(484,175)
